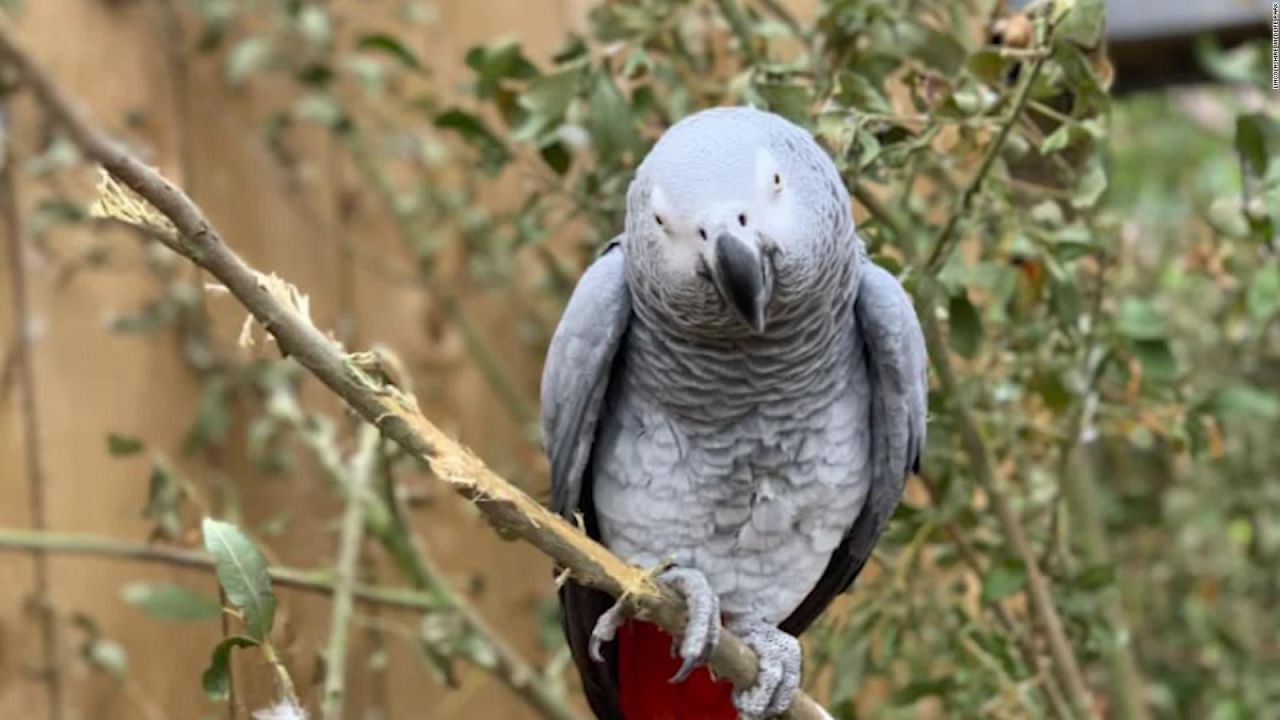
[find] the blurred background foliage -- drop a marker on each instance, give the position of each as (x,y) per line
(1105,273)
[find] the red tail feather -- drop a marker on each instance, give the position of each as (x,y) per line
(645,665)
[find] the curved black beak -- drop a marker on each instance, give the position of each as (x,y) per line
(740,275)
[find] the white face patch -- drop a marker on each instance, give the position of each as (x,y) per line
(679,237)
(774,199)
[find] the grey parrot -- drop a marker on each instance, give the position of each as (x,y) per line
(736,393)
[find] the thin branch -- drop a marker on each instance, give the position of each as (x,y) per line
(318,583)
(1068,667)
(1052,690)
(979,459)
(488,361)
(780,11)
(362,467)
(395,414)
(24,367)
(945,239)
(737,19)
(385,522)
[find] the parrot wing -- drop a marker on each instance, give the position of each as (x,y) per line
(576,374)
(575,380)
(896,370)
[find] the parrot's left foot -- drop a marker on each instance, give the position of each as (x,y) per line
(778,678)
(701,631)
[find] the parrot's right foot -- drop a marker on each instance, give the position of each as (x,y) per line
(701,630)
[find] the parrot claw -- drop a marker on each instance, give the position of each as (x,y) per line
(702,629)
(605,630)
(778,678)
(701,632)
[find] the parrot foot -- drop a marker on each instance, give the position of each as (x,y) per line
(778,678)
(702,630)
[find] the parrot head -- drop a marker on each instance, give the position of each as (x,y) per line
(735,215)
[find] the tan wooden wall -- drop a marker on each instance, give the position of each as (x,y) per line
(90,381)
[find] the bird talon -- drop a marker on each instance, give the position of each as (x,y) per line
(686,669)
(702,629)
(606,630)
(778,678)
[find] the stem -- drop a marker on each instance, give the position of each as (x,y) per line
(353,524)
(979,458)
(282,673)
(1052,690)
(490,365)
(944,240)
(737,20)
(394,413)
(975,447)
(24,367)
(784,15)
(294,578)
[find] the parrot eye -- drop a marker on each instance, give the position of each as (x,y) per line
(702,233)
(742,219)
(777,181)
(658,219)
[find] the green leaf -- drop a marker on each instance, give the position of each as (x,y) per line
(167,601)
(924,688)
(321,109)
(500,60)
(1247,401)
(391,45)
(119,445)
(1002,580)
(1263,299)
(216,679)
(108,655)
(1096,577)
(213,417)
(155,315)
(612,127)
(1158,362)
(1138,319)
(248,57)
(1257,141)
(1091,187)
(547,99)
(966,326)
(164,500)
(475,132)
(788,99)
(242,571)
(856,91)
(1083,23)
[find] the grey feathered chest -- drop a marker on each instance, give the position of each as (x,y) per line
(745,458)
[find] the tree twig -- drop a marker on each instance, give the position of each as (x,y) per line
(24,367)
(361,475)
(979,459)
(294,578)
(1065,662)
(945,238)
(384,522)
(393,413)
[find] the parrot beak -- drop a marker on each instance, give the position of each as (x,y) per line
(739,273)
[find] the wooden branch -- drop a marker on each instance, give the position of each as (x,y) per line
(24,367)
(352,535)
(293,578)
(396,415)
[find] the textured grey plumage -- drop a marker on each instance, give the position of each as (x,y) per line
(769,461)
